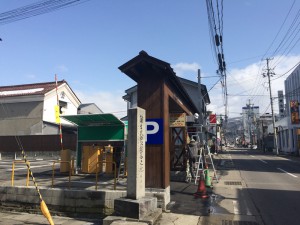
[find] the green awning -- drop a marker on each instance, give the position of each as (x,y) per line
(93,120)
(97,127)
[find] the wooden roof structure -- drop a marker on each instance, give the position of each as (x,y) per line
(160,93)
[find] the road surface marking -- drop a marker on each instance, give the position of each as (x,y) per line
(263,161)
(25,167)
(235,208)
(259,159)
(286,172)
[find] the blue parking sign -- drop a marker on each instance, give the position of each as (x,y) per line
(154,131)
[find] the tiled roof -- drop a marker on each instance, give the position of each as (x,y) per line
(28,89)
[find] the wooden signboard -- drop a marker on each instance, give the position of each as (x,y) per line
(177,119)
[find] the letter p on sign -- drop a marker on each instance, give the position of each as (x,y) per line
(154,131)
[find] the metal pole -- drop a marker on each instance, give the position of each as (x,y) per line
(201,106)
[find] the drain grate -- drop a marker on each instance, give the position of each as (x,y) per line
(231,222)
(232,182)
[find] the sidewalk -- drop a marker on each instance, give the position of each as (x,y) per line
(18,218)
(229,202)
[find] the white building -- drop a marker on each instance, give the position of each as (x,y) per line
(250,116)
(29,109)
(194,90)
(288,130)
(89,108)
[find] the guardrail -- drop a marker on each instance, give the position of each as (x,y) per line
(13,173)
(70,171)
(115,172)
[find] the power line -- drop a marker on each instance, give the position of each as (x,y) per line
(258,77)
(290,40)
(246,59)
(35,9)
(288,34)
(286,72)
(215,21)
(285,19)
(245,95)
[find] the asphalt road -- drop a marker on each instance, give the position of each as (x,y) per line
(273,183)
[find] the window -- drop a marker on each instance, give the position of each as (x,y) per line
(62,107)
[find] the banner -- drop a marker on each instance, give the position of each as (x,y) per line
(294,106)
(57,118)
(212,118)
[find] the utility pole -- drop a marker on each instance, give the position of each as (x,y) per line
(201,107)
(263,136)
(269,74)
(250,114)
(201,98)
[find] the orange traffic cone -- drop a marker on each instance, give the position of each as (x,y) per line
(201,191)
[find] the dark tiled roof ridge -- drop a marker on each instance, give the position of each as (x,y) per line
(33,84)
(29,89)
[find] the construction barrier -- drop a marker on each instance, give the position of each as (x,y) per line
(207,178)
(70,171)
(65,155)
(201,190)
(13,173)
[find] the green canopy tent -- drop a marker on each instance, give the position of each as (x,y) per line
(96,128)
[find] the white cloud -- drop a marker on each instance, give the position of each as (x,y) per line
(108,102)
(248,83)
(31,76)
(182,68)
(243,84)
(61,68)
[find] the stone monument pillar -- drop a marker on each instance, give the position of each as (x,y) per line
(136,205)
(136,153)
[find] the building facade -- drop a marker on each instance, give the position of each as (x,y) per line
(288,127)
(89,108)
(250,116)
(31,109)
(195,92)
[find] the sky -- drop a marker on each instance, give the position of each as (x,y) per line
(86,43)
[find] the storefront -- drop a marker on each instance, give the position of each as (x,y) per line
(97,134)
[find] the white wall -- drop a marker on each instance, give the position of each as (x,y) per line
(51,100)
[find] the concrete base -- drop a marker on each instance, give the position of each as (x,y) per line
(72,202)
(162,195)
(136,209)
(81,203)
(149,219)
